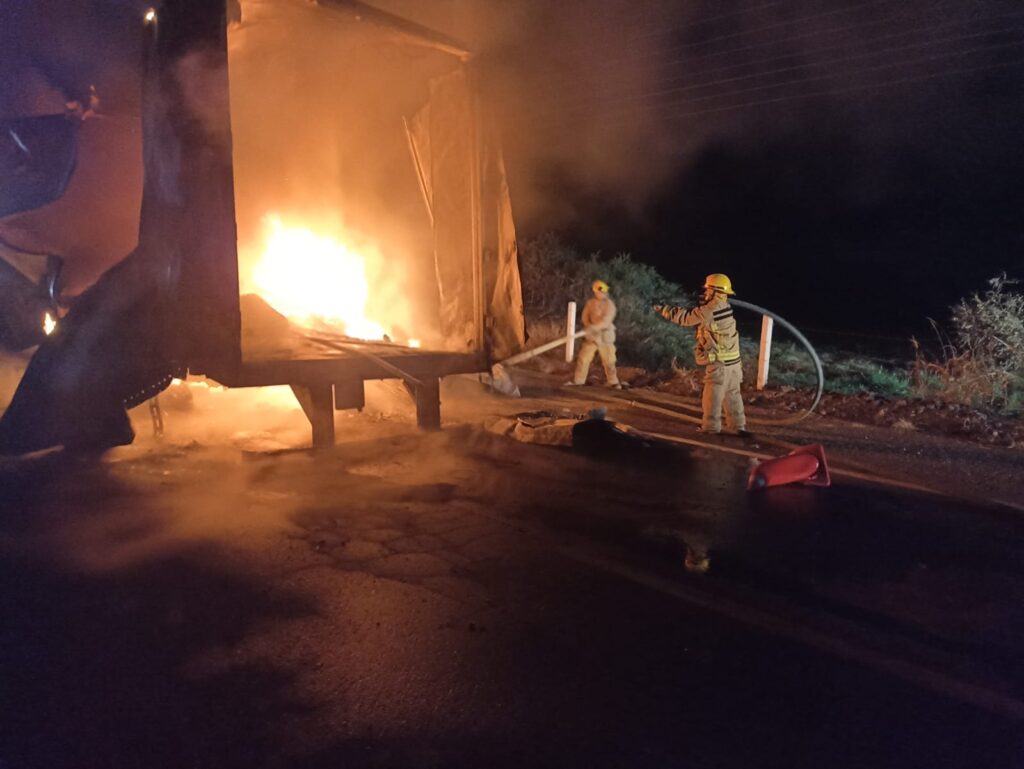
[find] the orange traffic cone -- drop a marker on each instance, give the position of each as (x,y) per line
(803,465)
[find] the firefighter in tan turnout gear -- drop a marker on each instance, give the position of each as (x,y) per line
(718,350)
(599,323)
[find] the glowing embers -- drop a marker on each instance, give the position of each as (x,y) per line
(315,280)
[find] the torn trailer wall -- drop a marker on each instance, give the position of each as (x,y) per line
(445,160)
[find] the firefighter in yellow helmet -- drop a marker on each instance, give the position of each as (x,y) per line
(718,350)
(599,323)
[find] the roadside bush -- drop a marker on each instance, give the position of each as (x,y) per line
(555,273)
(982,359)
(845,373)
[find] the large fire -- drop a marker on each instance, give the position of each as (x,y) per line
(315,280)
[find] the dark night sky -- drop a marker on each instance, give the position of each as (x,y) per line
(853,164)
(856,165)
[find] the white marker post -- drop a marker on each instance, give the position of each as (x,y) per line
(764,356)
(570,333)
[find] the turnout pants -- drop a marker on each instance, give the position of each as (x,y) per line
(722,387)
(586,356)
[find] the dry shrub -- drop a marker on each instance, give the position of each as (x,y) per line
(982,360)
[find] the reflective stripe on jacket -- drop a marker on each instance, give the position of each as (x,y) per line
(718,341)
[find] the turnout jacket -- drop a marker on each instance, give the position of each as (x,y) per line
(599,320)
(718,341)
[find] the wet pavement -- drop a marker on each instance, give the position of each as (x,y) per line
(465,600)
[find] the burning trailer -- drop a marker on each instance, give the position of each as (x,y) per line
(324,203)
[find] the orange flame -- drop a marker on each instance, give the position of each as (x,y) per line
(315,279)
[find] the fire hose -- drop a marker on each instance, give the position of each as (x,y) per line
(501,381)
(819,371)
(500,376)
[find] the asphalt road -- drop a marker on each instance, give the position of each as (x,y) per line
(461,599)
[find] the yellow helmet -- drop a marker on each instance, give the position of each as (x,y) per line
(719,282)
(600,285)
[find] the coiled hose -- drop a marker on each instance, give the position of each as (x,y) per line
(819,371)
